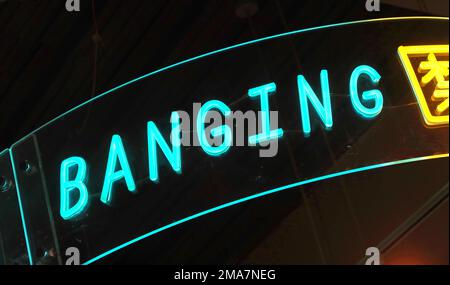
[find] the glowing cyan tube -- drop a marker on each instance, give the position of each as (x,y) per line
(116,154)
(67,185)
(263,93)
(173,155)
(223,130)
(305,92)
(374,95)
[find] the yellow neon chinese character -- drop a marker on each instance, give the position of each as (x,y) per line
(427,68)
(437,70)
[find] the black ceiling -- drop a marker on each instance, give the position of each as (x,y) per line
(52,60)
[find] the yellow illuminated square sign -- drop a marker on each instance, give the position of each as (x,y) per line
(427,70)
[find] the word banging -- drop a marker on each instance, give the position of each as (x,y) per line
(74,170)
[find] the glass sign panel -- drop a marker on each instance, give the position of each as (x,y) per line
(240,140)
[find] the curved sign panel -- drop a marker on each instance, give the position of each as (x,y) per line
(212,139)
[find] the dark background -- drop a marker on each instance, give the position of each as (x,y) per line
(52,60)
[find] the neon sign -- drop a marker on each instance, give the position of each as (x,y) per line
(74,170)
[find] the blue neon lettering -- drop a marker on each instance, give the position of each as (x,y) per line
(155,138)
(68,185)
(263,93)
(223,130)
(371,95)
(116,154)
(305,92)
